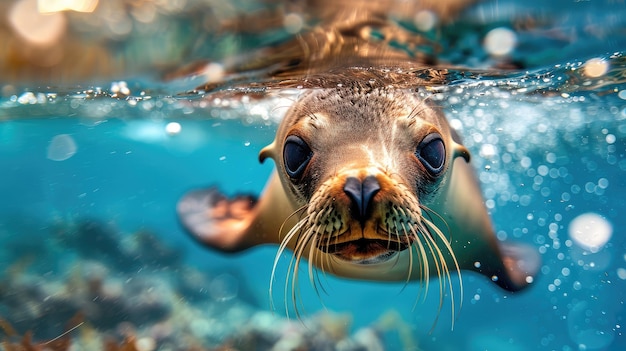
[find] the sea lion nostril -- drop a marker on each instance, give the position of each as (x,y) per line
(361,193)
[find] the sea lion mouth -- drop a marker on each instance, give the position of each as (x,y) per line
(365,251)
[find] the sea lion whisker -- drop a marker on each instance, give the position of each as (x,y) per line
(273,110)
(328,238)
(407,212)
(308,112)
(309,220)
(410,270)
(424,264)
(294,267)
(314,274)
(389,234)
(283,245)
(295,287)
(294,213)
(286,97)
(316,215)
(432,213)
(440,264)
(281,249)
(308,238)
(395,226)
(428,97)
(416,111)
(329,259)
(448,247)
(313,277)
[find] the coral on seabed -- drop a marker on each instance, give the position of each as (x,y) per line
(100,290)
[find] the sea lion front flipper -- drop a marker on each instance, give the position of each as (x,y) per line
(235,224)
(521,264)
(215,220)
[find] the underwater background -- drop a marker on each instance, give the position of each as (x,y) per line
(98,142)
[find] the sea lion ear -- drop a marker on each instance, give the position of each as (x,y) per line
(268,151)
(460,150)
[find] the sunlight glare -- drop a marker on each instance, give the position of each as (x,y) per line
(51,6)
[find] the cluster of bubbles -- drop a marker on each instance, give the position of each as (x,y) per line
(560,158)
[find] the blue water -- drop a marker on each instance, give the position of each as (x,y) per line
(545,152)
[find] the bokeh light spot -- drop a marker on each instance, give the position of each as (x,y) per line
(621,273)
(173,128)
(500,41)
(595,67)
(425,20)
(590,231)
(293,23)
(61,148)
(49,6)
(33,26)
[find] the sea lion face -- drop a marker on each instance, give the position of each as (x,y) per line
(364,165)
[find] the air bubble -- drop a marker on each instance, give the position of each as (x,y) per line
(61,147)
(554,173)
(524,200)
(590,231)
(610,139)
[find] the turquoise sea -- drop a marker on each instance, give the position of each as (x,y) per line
(90,174)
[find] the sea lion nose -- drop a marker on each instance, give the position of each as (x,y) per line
(361,193)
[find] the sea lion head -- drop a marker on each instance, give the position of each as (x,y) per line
(363,165)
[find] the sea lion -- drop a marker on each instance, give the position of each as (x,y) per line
(370,183)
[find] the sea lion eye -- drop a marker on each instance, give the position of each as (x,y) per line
(297,155)
(432,153)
